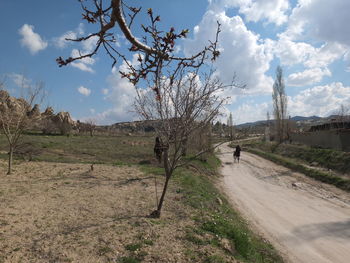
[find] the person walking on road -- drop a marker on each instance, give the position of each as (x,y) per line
(237,154)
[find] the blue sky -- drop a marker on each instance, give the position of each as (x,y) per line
(310,43)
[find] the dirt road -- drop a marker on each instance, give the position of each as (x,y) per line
(306,220)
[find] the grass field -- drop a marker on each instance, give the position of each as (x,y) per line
(78,149)
(61,211)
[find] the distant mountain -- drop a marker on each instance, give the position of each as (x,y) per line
(263,122)
(301,118)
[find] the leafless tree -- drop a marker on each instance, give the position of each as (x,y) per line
(342,114)
(179,97)
(230,126)
(91,126)
(184,103)
(15,115)
(279,100)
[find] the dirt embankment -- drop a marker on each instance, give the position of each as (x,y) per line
(307,220)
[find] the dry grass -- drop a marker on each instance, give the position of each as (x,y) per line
(55,212)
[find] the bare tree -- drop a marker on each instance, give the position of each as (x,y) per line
(91,126)
(185,104)
(181,99)
(342,114)
(230,126)
(279,100)
(15,115)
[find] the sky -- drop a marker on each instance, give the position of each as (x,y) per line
(309,39)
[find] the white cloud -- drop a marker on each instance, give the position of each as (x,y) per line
(320,100)
(82,64)
(290,52)
(121,93)
(61,42)
(270,11)
(241,51)
(87,47)
(326,24)
(250,112)
(31,40)
(84,91)
(325,55)
(323,19)
(20,80)
(307,77)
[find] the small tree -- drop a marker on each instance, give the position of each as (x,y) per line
(15,115)
(279,100)
(185,104)
(91,126)
(342,114)
(230,126)
(179,98)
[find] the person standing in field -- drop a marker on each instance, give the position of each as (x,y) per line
(158,149)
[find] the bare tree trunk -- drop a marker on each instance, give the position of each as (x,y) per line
(10,160)
(168,173)
(184,147)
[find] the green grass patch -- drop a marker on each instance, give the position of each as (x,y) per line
(214,259)
(129,260)
(118,150)
(133,247)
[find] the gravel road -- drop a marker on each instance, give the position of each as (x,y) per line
(306,220)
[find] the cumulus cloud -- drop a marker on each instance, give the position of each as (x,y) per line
(320,100)
(61,42)
(270,11)
(31,40)
(325,55)
(84,91)
(250,112)
(322,19)
(290,52)
(86,47)
(273,11)
(242,53)
(82,64)
(313,20)
(308,77)
(121,93)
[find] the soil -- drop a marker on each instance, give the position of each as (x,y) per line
(56,212)
(306,220)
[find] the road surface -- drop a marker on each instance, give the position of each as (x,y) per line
(306,220)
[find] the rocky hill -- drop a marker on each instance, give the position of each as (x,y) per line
(48,122)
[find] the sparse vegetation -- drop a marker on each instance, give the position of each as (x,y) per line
(110,224)
(216,222)
(308,161)
(98,149)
